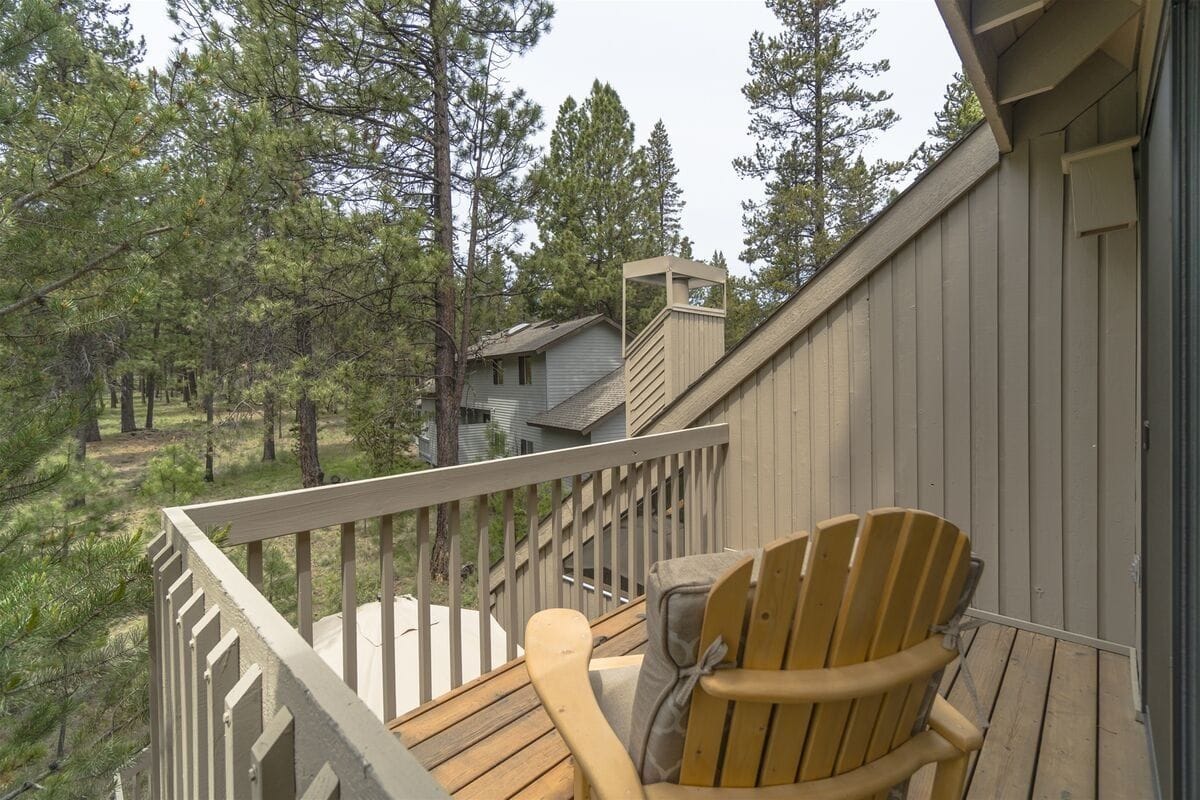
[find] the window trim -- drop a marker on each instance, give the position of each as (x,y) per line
(498,372)
(525,370)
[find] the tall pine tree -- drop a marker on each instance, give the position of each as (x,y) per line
(593,212)
(666,197)
(811,118)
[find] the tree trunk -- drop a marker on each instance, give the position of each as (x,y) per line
(151,389)
(128,421)
(191,381)
(112,395)
(268,451)
(306,412)
(187,395)
(447,392)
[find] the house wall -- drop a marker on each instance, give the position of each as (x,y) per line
(1160,391)
(511,405)
(580,360)
(611,428)
(986,371)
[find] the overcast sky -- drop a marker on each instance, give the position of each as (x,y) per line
(685,61)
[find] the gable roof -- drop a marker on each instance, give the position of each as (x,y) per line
(533,337)
(961,167)
(585,409)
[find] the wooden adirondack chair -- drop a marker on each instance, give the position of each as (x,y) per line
(828,686)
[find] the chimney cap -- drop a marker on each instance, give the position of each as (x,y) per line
(655,270)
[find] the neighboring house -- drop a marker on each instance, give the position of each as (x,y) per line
(539,386)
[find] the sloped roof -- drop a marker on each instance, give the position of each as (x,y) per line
(533,337)
(586,408)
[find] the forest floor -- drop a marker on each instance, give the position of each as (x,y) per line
(240,472)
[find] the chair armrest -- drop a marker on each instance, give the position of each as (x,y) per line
(952,726)
(558,647)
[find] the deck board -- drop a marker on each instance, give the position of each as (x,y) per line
(1062,722)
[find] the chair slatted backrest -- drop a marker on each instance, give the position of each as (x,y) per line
(856,590)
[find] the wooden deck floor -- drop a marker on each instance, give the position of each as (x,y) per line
(1061,724)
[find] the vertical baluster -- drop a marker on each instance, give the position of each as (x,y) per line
(647,525)
(722,522)
(676,547)
(556,540)
(424,668)
(349,609)
(614,532)
(205,635)
(221,671)
(455,576)
(243,724)
(387,614)
(534,555)
(712,500)
(631,548)
(189,615)
(660,537)
(598,540)
(304,612)
(483,571)
(689,496)
(254,563)
(510,577)
(577,541)
(164,560)
(698,506)
(177,595)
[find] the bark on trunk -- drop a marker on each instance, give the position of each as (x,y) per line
(187,395)
(128,421)
(209,410)
(112,395)
(447,392)
(268,451)
(306,413)
(151,389)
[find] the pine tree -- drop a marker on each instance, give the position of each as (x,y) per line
(593,212)
(665,195)
(811,118)
(960,112)
(84,141)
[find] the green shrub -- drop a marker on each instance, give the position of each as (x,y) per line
(173,476)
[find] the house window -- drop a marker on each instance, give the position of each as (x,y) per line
(475,416)
(525,370)
(526,447)
(498,372)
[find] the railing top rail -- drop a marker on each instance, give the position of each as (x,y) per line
(266,516)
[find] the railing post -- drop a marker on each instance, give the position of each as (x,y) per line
(483,574)
(304,609)
(556,539)
(387,614)
(205,635)
(598,540)
(425,675)
(510,577)
(577,541)
(533,551)
(455,591)
(349,609)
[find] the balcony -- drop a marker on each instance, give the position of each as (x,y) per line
(243,706)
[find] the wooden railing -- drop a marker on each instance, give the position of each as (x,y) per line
(240,696)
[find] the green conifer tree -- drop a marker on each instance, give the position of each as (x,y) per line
(960,112)
(811,117)
(666,197)
(593,212)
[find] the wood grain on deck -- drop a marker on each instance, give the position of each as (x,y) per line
(1061,722)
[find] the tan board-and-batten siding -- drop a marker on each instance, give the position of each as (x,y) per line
(985,369)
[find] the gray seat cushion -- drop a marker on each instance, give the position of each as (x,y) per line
(614,690)
(676,593)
